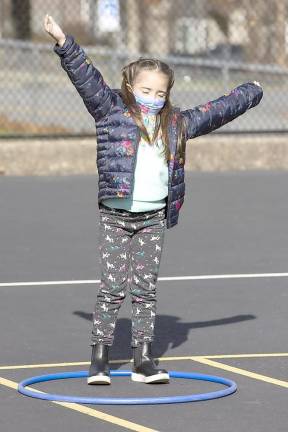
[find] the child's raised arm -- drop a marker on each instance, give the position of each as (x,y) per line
(205,118)
(88,81)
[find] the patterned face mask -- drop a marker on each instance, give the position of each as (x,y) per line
(149,105)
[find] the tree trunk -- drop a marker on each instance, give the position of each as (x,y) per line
(21,15)
(133,26)
(280,27)
(155,28)
(266,29)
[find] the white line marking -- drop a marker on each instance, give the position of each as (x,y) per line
(168,278)
(226,276)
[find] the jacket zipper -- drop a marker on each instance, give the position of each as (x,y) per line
(135,160)
(170,172)
(169,192)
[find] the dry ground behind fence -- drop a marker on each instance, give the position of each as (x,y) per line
(206,153)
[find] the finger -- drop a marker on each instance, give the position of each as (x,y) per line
(46,20)
(46,24)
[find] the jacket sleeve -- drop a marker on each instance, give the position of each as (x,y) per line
(206,118)
(88,81)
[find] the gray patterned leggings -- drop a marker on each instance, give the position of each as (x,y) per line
(128,241)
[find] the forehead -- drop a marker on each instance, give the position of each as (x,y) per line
(152,79)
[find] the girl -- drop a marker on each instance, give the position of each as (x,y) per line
(141,141)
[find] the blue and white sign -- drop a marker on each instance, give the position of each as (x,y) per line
(108,15)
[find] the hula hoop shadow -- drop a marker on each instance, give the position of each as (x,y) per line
(232,387)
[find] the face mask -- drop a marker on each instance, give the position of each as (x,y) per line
(149,105)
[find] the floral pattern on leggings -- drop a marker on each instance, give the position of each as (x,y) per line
(130,246)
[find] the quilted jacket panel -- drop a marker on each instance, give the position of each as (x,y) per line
(118,135)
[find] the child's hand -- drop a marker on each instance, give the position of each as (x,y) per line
(54,30)
(257,83)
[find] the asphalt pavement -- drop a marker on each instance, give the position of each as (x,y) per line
(227,317)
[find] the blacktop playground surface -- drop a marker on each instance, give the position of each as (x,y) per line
(222,306)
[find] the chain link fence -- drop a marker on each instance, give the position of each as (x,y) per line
(212,45)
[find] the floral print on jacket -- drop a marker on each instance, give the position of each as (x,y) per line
(118,135)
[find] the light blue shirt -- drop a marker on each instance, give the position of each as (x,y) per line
(150,178)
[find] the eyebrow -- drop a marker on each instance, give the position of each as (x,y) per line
(147,88)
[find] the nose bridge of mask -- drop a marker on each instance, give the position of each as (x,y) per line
(148,100)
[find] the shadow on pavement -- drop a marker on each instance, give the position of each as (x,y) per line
(170,332)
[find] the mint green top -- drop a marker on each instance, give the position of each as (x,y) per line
(151,175)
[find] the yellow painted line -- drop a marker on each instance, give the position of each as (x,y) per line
(220,356)
(244,372)
(231,356)
(85,410)
(50,365)
(43,365)
(178,358)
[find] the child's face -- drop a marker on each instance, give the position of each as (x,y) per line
(151,83)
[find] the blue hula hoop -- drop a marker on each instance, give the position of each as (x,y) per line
(231,388)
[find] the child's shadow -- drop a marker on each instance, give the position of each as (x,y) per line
(170,332)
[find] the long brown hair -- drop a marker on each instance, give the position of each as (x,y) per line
(129,74)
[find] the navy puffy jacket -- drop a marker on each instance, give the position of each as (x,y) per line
(118,135)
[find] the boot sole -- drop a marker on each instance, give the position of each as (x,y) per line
(99,380)
(158,378)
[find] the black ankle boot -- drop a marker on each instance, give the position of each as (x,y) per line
(144,369)
(99,372)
